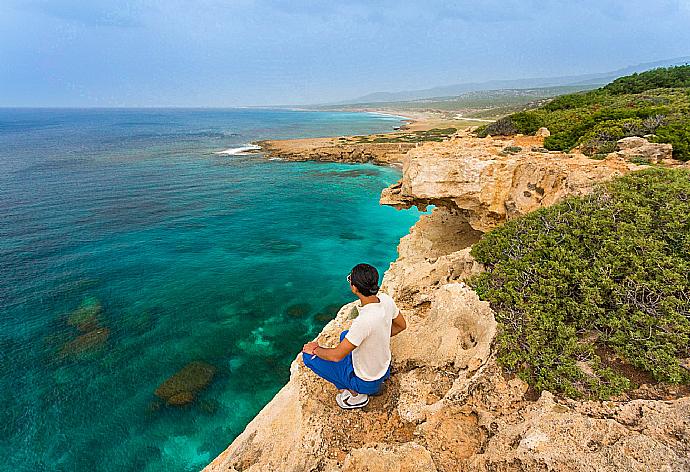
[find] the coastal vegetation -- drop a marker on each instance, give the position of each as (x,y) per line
(592,295)
(655,103)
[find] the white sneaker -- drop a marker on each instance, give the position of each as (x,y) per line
(347,401)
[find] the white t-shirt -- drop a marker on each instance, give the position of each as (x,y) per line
(371,333)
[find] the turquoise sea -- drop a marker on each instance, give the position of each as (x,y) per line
(129,248)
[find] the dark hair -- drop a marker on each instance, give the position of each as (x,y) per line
(366,278)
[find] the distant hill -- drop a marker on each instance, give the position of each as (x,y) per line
(475,104)
(590,80)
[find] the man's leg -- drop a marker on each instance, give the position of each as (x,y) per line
(334,372)
(342,336)
(327,370)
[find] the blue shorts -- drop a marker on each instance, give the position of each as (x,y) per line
(342,373)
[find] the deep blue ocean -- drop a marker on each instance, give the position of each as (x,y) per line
(176,254)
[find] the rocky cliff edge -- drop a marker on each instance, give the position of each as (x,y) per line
(448,406)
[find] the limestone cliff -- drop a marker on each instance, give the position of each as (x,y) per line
(448,406)
(490,180)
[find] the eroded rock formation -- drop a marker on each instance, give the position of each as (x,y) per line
(476,178)
(448,406)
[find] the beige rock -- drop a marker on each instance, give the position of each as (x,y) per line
(543,132)
(330,150)
(472,178)
(549,436)
(459,328)
(420,393)
(435,252)
(636,148)
(632,142)
(452,435)
(408,457)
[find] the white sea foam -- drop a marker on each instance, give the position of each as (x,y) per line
(242,150)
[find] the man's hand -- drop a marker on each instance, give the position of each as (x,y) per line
(309,347)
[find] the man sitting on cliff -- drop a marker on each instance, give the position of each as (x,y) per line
(361,362)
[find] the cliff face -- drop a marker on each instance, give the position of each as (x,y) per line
(447,406)
(488,181)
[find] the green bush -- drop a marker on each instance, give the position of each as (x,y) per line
(526,122)
(574,100)
(512,149)
(603,137)
(609,272)
(678,134)
(561,141)
(523,122)
(481,131)
(500,127)
(671,77)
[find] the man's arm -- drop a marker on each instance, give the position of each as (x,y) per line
(398,324)
(334,354)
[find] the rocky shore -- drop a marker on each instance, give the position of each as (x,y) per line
(383,149)
(335,150)
(448,406)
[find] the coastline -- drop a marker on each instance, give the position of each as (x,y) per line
(448,405)
(332,149)
(310,149)
(388,148)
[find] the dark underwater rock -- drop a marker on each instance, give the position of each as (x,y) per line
(328,312)
(280,245)
(349,236)
(87,342)
(298,309)
(182,387)
(86,317)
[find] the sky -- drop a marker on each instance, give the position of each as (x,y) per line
(220,53)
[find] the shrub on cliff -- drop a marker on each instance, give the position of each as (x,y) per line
(602,138)
(596,287)
(500,127)
(678,134)
(523,123)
